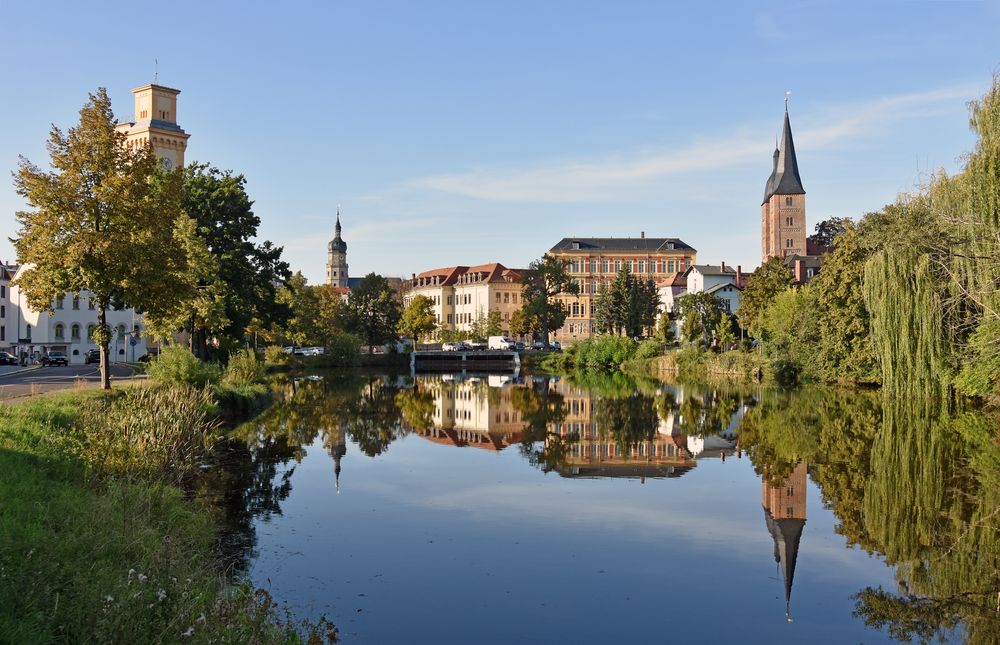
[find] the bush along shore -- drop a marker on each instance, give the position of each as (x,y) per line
(97,540)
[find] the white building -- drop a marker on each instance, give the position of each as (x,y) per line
(461,295)
(6,275)
(721,281)
(68,327)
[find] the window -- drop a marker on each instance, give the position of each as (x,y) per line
(3,311)
(790,491)
(90,332)
(498,298)
(788,201)
(670,266)
(60,331)
(90,304)
(121,332)
(449,319)
(788,221)
(506,298)
(60,301)
(788,243)
(3,333)
(618,266)
(642,266)
(513,298)
(789,511)
(604,266)
(449,302)
(3,291)
(76,302)
(74,332)
(27,331)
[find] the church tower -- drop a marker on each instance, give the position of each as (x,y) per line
(155,123)
(336,259)
(783,212)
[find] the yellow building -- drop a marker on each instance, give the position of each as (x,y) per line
(594,261)
(462,294)
(155,123)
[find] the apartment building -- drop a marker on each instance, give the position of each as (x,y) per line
(594,261)
(462,294)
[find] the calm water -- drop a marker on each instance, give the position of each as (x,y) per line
(488,510)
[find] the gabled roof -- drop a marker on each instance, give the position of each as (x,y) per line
(711,269)
(650,244)
(448,275)
(784,179)
(720,287)
(676,280)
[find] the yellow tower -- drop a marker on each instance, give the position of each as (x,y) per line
(155,123)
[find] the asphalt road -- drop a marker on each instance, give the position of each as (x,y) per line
(50,379)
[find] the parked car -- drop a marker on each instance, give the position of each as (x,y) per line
(519,346)
(7,359)
(554,346)
(477,345)
(457,346)
(54,358)
(92,356)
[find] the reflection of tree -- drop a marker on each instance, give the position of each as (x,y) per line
(373,420)
(905,480)
(542,410)
(629,420)
(416,407)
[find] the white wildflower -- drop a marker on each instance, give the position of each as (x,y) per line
(201,618)
(109,599)
(161,595)
(189,633)
(143,577)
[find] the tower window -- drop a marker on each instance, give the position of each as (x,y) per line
(788,243)
(788,221)
(788,201)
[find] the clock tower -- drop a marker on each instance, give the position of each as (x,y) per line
(155,123)
(336,258)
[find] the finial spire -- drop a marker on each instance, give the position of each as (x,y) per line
(787,95)
(156,71)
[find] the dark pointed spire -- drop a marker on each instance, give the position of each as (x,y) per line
(786,532)
(338,243)
(784,180)
(338,221)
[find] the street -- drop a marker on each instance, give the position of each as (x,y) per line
(16,382)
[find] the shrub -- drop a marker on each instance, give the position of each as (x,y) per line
(275,355)
(240,402)
(161,432)
(178,366)
(604,352)
(244,368)
(343,350)
(650,349)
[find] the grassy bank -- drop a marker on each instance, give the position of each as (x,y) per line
(699,364)
(97,542)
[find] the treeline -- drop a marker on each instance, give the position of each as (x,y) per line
(909,297)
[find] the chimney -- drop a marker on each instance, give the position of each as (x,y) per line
(723,265)
(798,271)
(739,276)
(642,235)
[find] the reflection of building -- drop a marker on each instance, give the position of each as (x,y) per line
(785,515)
(596,453)
(469,413)
(593,263)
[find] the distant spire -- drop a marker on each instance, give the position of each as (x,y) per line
(785,179)
(338,220)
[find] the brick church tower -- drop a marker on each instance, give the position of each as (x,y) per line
(783,212)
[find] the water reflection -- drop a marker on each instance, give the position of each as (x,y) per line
(917,486)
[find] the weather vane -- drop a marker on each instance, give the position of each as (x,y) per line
(787,94)
(156,71)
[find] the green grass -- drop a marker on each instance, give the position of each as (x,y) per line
(115,559)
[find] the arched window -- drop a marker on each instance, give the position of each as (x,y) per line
(788,201)
(90,332)
(74,332)
(121,332)
(60,331)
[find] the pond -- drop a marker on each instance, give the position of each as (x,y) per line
(451,509)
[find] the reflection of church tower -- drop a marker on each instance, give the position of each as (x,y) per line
(336,258)
(785,515)
(336,443)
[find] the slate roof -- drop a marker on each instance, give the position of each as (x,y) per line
(711,269)
(650,244)
(784,179)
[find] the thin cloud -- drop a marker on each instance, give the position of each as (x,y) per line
(613,177)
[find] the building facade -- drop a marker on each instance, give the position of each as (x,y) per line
(593,262)
(461,295)
(68,327)
(154,123)
(783,211)
(336,259)
(6,275)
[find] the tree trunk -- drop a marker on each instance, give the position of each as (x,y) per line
(102,316)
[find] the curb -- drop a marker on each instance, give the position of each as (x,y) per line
(21,371)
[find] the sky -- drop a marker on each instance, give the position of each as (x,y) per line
(472,132)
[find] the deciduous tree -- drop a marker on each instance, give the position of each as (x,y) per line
(545,279)
(418,318)
(374,311)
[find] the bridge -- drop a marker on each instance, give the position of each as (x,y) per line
(465,361)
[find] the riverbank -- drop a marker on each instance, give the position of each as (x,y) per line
(97,539)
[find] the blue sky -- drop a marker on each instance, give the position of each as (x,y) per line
(469,132)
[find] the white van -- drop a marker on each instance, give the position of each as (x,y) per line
(500,342)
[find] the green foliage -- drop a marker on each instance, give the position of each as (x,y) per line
(725,335)
(829,230)
(650,348)
(418,318)
(770,279)
(701,313)
(178,366)
(158,432)
(494,323)
(665,329)
(606,353)
(980,375)
(627,306)
(243,368)
(373,311)
(545,279)
(789,332)
(276,355)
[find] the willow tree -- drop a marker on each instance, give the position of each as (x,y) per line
(102,221)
